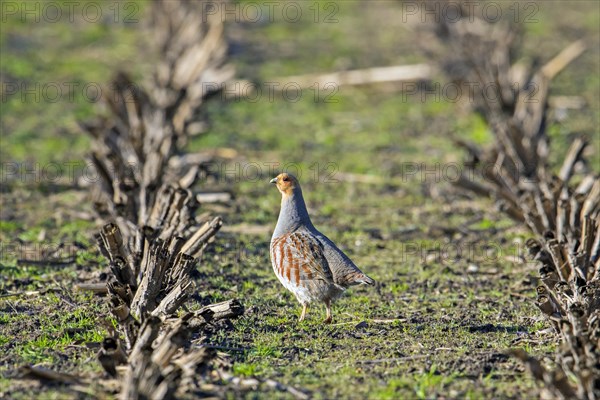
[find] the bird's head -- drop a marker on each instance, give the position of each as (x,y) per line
(286,183)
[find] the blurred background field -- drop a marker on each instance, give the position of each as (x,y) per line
(444,261)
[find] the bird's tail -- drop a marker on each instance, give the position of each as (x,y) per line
(355,277)
(359,277)
(366,280)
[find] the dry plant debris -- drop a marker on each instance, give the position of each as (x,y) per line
(563,216)
(153,240)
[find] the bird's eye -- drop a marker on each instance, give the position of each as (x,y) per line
(286,179)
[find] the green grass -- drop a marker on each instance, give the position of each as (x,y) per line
(447,328)
(50,329)
(53,66)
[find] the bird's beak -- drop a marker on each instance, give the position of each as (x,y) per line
(274,180)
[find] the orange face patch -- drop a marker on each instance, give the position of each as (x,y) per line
(286,183)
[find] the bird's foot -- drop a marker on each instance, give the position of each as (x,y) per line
(303,314)
(327,320)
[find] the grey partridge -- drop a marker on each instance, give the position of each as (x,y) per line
(305,261)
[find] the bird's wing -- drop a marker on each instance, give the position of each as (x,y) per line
(299,256)
(344,271)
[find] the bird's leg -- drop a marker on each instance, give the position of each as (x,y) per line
(328,308)
(304,309)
